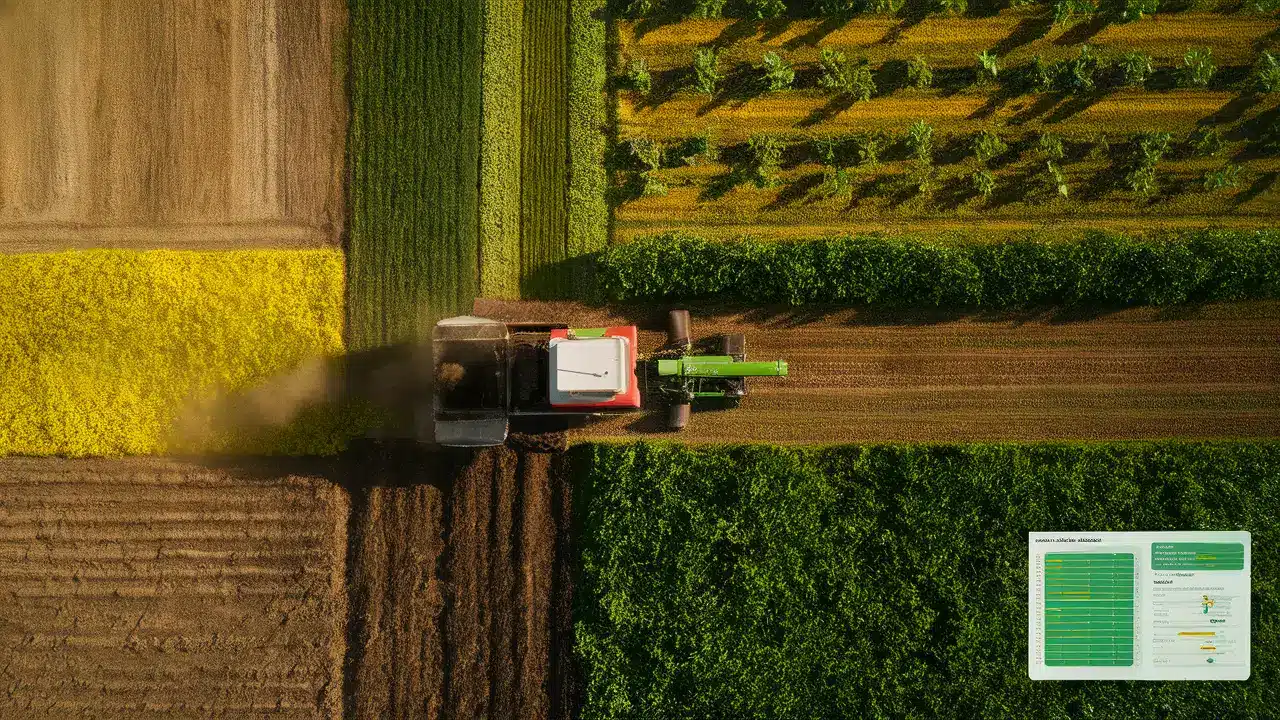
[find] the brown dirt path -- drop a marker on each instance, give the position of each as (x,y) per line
(805,112)
(858,376)
(187,124)
(459,579)
(1015,35)
(150,587)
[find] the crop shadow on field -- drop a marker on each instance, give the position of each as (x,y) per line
(911,15)
(829,110)
(1262,184)
(568,278)
(735,32)
(1042,105)
(1025,32)
(1076,104)
(794,192)
(666,84)
(1266,41)
(740,85)
(1083,32)
(816,34)
(653,22)
(1233,111)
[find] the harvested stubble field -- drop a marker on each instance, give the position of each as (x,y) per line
(870,376)
(180,124)
(148,587)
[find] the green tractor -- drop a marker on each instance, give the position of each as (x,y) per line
(719,377)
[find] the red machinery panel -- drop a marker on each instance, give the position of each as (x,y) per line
(629,400)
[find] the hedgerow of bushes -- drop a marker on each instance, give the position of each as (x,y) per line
(1098,270)
(111,352)
(883,581)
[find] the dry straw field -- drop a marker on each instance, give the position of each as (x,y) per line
(126,123)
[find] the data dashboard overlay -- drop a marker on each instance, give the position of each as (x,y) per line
(1138,606)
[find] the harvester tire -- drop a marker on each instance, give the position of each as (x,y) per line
(678,328)
(734,345)
(678,416)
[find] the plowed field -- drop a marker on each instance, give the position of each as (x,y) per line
(144,587)
(1210,372)
(461,589)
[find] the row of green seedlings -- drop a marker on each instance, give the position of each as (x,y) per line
(1063,11)
(760,162)
(1086,73)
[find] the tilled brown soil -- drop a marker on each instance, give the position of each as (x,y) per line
(460,587)
(155,588)
(185,123)
(859,376)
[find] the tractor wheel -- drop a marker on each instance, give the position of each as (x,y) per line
(678,416)
(734,345)
(678,328)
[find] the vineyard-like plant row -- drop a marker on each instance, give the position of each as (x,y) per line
(1096,90)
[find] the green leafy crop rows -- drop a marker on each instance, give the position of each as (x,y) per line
(545,160)
(413,157)
(588,116)
(1100,270)
(884,581)
(500,139)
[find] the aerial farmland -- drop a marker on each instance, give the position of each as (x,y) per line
(954,272)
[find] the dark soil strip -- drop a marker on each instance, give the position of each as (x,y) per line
(459,585)
(565,678)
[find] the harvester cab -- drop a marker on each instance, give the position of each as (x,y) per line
(487,372)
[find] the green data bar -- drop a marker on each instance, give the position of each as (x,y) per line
(1088,609)
(1197,556)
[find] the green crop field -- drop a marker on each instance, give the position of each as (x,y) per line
(413,160)
(500,143)
(543,179)
(588,119)
(884,581)
(1071,105)
(545,169)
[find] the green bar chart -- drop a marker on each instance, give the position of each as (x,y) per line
(1088,609)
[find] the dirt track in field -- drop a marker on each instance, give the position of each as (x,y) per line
(812,113)
(184,124)
(461,588)
(147,587)
(858,376)
(1015,35)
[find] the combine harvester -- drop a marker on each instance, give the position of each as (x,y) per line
(487,372)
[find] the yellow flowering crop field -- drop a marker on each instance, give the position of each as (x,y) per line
(119,352)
